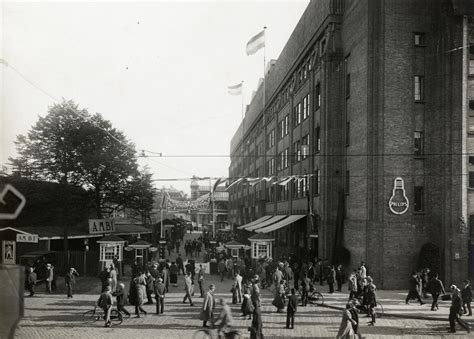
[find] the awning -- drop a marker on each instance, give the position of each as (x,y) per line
(266,217)
(270,221)
(282,223)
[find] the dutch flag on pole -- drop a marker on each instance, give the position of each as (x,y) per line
(235,90)
(256,43)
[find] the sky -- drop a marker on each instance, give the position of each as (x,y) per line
(159,71)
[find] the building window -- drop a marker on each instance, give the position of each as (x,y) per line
(305,107)
(418,203)
(305,146)
(471,66)
(285,157)
(297,147)
(317,138)
(348,133)
(471,160)
(347,183)
(419,88)
(419,39)
(287,124)
(471,105)
(471,179)
(317,189)
(419,149)
(297,115)
(271,138)
(260,250)
(470,127)
(318,96)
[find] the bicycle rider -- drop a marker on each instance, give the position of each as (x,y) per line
(225,320)
(105,302)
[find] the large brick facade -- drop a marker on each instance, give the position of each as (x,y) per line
(364,56)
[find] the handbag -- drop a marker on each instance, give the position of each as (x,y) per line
(446,297)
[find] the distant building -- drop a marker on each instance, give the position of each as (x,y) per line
(374,102)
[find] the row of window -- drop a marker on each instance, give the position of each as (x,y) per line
(301,111)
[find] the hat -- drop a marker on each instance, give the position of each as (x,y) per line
(256,277)
(160,280)
(454,287)
(48,265)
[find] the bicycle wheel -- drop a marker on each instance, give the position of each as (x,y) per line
(116,317)
(202,334)
(90,315)
(316,298)
(233,334)
(378,310)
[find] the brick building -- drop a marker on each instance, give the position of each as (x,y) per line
(368,113)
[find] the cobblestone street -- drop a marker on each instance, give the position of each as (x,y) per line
(55,316)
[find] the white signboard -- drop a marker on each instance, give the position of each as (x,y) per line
(27,238)
(205,265)
(8,252)
(98,226)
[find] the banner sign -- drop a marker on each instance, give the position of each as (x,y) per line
(205,265)
(27,238)
(99,226)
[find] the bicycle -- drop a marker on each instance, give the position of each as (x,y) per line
(211,333)
(315,298)
(97,313)
(378,309)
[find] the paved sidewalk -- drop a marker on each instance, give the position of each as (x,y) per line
(55,316)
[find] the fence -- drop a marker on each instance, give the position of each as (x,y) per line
(86,263)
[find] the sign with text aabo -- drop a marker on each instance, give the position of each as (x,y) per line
(99,226)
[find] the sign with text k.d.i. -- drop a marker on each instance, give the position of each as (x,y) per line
(98,226)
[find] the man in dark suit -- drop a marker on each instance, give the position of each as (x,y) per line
(31,281)
(291,309)
(435,287)
(70,280)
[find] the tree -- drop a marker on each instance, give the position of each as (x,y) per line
(71,146)
(140,196)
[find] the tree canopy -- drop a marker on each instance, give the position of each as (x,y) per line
(71,146)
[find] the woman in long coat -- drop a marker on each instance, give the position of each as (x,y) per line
(247,305)
(279,300)
(113,277)
(140,293)
(345,330)
(208,306)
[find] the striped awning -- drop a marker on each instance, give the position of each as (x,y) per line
(282,223)
(265,223)
(255,222)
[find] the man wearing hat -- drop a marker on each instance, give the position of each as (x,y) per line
(70,280)
(208,306)
(160,291)
(255,291)
(455,311)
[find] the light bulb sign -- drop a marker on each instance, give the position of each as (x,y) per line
(398,202)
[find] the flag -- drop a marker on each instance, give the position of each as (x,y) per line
(256,43)
(235,90)
(234,183)
(217,183)
(164,200)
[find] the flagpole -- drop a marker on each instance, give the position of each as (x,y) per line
(242,99)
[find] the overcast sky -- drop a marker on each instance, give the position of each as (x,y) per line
(158,71)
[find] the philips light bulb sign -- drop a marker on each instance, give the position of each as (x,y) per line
(99,226)
(398,202)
